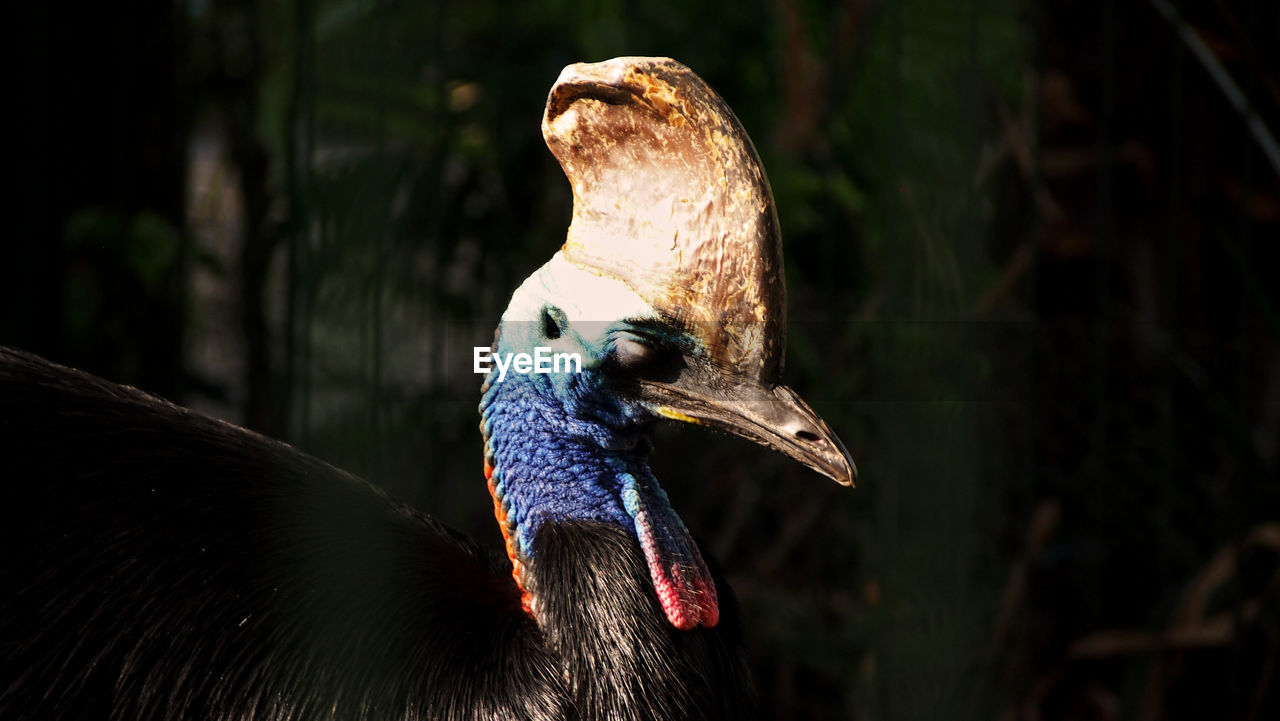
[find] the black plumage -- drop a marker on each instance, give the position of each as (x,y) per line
(159,564)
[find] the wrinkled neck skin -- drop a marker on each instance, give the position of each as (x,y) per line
(563,448)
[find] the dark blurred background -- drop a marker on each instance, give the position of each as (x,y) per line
(1032,252)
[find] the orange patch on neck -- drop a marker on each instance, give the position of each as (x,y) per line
(517,568)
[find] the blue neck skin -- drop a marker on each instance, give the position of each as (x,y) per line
(577,455)
(556,460)
(566,447)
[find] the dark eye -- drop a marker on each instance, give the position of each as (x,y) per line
(553,322)
(645,359)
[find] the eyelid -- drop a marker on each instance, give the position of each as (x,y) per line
(661,337)
(654,337)
(638,337)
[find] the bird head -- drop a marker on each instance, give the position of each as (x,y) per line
(669,287)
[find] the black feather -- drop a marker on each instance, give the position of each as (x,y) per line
(604,621)
(158,564)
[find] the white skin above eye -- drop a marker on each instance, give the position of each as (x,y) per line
(592,304)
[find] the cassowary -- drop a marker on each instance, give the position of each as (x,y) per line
(161,565)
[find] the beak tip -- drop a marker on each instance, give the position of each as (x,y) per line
(850,479)
(838,464)
(844,472)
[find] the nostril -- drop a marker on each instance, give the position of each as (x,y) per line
(809,436)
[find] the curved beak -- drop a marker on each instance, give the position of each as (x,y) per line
(775,417)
